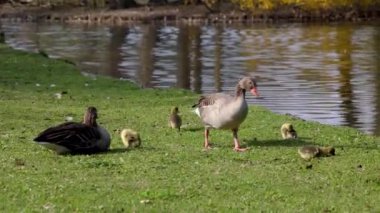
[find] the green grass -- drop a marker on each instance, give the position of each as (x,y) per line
(171,170)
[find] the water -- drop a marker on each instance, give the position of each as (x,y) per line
(323,72)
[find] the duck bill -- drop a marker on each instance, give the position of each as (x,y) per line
(255,92)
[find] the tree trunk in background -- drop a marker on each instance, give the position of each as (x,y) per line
(120,4)
(94,3)
(114,4)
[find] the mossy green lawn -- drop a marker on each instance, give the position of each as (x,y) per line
(171,172)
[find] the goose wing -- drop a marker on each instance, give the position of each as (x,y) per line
(74,136)
(221,111)
(208,100)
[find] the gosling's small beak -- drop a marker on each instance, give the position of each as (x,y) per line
(255,92)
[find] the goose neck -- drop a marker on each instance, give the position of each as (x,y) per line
(90,119)
(240,92)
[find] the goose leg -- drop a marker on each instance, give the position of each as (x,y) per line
(207,144)
(236,142)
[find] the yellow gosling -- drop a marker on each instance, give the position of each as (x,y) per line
(130,138)
(288,131)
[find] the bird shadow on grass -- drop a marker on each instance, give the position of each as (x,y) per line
(272,142)
(302,141)
(113,151)
(278,142)
(137,149)
(116,150)
(358,146)
(193,129)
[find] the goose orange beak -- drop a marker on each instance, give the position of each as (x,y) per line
(255,92)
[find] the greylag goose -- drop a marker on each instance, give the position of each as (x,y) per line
(175,120)
(223,111)
(71,137)
(309,152)
(130,138)
(288,131)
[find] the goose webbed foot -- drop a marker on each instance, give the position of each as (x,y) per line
(239,149)
(206,148)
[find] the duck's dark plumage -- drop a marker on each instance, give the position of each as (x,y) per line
(77,137)
(72,137)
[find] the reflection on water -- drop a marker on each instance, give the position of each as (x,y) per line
(328,73)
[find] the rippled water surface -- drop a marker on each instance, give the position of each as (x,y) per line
(328,73)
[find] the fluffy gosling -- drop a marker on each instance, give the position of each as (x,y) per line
(309,152)
(175,120)
(288,131)
(130,138)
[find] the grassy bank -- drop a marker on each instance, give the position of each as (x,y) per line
(171,172)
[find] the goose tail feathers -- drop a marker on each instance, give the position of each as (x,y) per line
(196,111)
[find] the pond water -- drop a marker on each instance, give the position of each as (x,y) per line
(323,72)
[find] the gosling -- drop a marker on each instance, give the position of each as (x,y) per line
(288,131)
(130,138)
(309,152)
(175,120)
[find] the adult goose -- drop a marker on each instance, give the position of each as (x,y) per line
(223,111)
(76,138)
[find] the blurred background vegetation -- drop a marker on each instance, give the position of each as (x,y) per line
(71,3)
(245,5)
(305,4)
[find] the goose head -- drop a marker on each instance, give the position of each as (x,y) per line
(288,131)
(90,116)
(130,138)
(247,84)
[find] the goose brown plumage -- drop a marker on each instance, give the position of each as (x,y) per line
(175,120)
(223,111)
(87,137)
(308,152)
